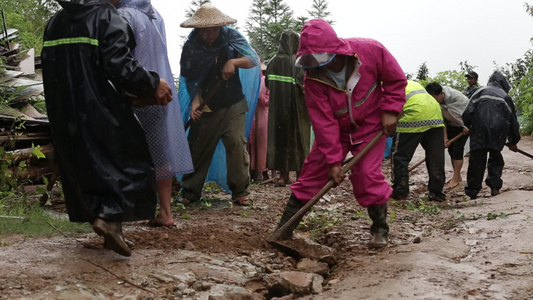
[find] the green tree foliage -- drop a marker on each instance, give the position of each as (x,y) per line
(279,17)
(300,22)
(256,27)
(320,11)
(520,76)
(269,18)
(423,72)
(195,4)
(30,18)
(454,78)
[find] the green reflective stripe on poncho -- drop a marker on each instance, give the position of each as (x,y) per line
(281,78)
(67,41)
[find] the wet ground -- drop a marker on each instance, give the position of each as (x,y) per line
(460,249)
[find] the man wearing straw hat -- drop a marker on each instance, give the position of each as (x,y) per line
(219,87)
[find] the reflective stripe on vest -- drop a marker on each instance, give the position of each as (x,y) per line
(415,92)
(421,111)
(280,78)
(420,123)
(67,41)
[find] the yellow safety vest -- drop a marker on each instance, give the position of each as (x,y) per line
(421,112)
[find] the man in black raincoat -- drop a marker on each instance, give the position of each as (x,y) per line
(289,125)
(106,169)
(490,115)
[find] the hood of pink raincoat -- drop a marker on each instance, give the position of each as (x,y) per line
(319,37)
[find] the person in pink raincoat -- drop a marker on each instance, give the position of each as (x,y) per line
(353,88)
(258,134)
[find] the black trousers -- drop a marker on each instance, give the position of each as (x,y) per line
(405,145)
(476,170)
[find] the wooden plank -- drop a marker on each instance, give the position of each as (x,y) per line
(9,111)
(8,75)
(16,82)
(10,119)
(10,31)
(28,92)
(27,64)
(31,111)
(25,138)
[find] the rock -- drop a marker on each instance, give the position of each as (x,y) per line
(317,285)
(162,277)
(312,266)
(186,278)
(287,297)
(229,292)
(293,282)
(300,248)
(190,246)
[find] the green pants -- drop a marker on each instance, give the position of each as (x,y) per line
(226,124)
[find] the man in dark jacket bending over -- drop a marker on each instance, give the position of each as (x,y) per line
(491,118)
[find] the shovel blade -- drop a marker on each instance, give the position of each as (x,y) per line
(305,248)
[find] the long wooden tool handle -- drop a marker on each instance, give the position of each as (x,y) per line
(276,235)
(525,153)
(418,163)
(206,100)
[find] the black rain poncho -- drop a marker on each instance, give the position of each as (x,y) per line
(490,116)
(289,125)
(102,152)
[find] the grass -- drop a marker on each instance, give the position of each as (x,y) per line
(22,216)
(319,220)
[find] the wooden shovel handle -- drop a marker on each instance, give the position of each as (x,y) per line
(525,153)
(206,100)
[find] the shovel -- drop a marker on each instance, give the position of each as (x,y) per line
(522,152)
(276,235)
(418,163)
(525,153)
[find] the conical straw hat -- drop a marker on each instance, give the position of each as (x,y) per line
(208,16)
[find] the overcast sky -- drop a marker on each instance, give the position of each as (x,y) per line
(440,33)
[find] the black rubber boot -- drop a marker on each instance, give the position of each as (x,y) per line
(112,233)
(379,228)
(128,243)
(292,207)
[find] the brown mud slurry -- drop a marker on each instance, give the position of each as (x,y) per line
(460,249)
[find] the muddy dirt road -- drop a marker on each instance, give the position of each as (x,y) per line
(460,249)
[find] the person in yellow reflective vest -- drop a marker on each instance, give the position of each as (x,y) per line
(421,123)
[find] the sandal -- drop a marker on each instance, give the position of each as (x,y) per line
(184,201)
(154,223)
(280,182)
(242,201)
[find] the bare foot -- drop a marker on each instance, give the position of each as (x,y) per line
(453,183)
(159,221)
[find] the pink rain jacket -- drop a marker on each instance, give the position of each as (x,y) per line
(376,84)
